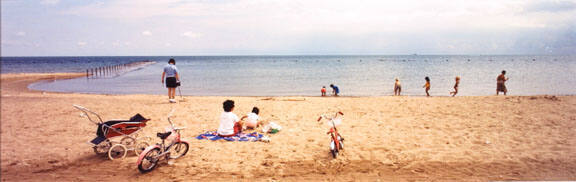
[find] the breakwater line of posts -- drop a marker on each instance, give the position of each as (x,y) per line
(116,70)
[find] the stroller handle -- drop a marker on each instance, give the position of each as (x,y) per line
(86,111)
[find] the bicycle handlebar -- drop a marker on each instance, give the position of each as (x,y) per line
(324,116)
(179,128)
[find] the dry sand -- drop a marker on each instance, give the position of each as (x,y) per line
(386,138)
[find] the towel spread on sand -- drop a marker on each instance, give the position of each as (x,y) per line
(243,137)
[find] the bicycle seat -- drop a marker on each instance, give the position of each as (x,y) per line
(163,135)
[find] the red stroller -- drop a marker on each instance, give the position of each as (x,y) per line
(128,129)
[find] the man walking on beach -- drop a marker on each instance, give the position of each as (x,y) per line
(500,83)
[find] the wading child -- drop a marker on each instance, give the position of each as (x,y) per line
(455,86)
(427,86)
(397,87)
(323,90)
(335,89)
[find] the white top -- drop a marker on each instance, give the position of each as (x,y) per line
(227,120)
(170,70)
(252,120)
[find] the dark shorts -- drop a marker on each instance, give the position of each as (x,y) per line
(171,82)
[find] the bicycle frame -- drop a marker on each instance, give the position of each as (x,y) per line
(164,150)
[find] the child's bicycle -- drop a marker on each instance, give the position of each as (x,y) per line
(335,147)
(176,148)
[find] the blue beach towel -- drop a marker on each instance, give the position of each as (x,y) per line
(243,137)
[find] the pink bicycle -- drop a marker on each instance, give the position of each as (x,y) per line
(172,147)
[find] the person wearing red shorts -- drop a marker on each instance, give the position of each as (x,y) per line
(230,125)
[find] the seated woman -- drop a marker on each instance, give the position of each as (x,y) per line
(230,125)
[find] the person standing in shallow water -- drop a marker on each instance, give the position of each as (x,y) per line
(172,79)
(456,86)
(501,83)
(335,89)
(397,87)
(427,86)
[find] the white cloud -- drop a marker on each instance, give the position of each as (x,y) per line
(21,34)
(146,33)
(121,43)
(81,43)
(191,35)
(324,26)
(49,2)
(314,16)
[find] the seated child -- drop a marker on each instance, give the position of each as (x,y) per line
(230,125)
(253,119)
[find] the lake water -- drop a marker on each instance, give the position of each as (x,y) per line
(305,75)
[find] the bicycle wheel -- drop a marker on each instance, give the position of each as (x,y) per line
(117,151)
(333,149)
(139,147)
(178,150)
(341,142)
(150,161)
(102,148)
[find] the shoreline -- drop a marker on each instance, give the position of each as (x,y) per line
(465,138)
(30,78)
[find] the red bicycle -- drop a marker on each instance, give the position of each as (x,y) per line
(336,141)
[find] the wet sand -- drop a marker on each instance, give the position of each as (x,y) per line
(478,138)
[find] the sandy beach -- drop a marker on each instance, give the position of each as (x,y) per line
(472,138)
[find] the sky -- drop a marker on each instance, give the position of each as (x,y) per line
(286,27)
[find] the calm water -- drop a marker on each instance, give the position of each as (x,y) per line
(305,75)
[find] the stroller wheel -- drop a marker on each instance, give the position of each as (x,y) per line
(117,151)
(102,148)
(128,142)
(139,147)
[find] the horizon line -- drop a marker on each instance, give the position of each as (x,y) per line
(249,55)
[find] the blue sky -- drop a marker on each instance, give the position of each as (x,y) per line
(286,27)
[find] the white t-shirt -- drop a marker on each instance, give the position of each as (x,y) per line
(252,120)
(227,121)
